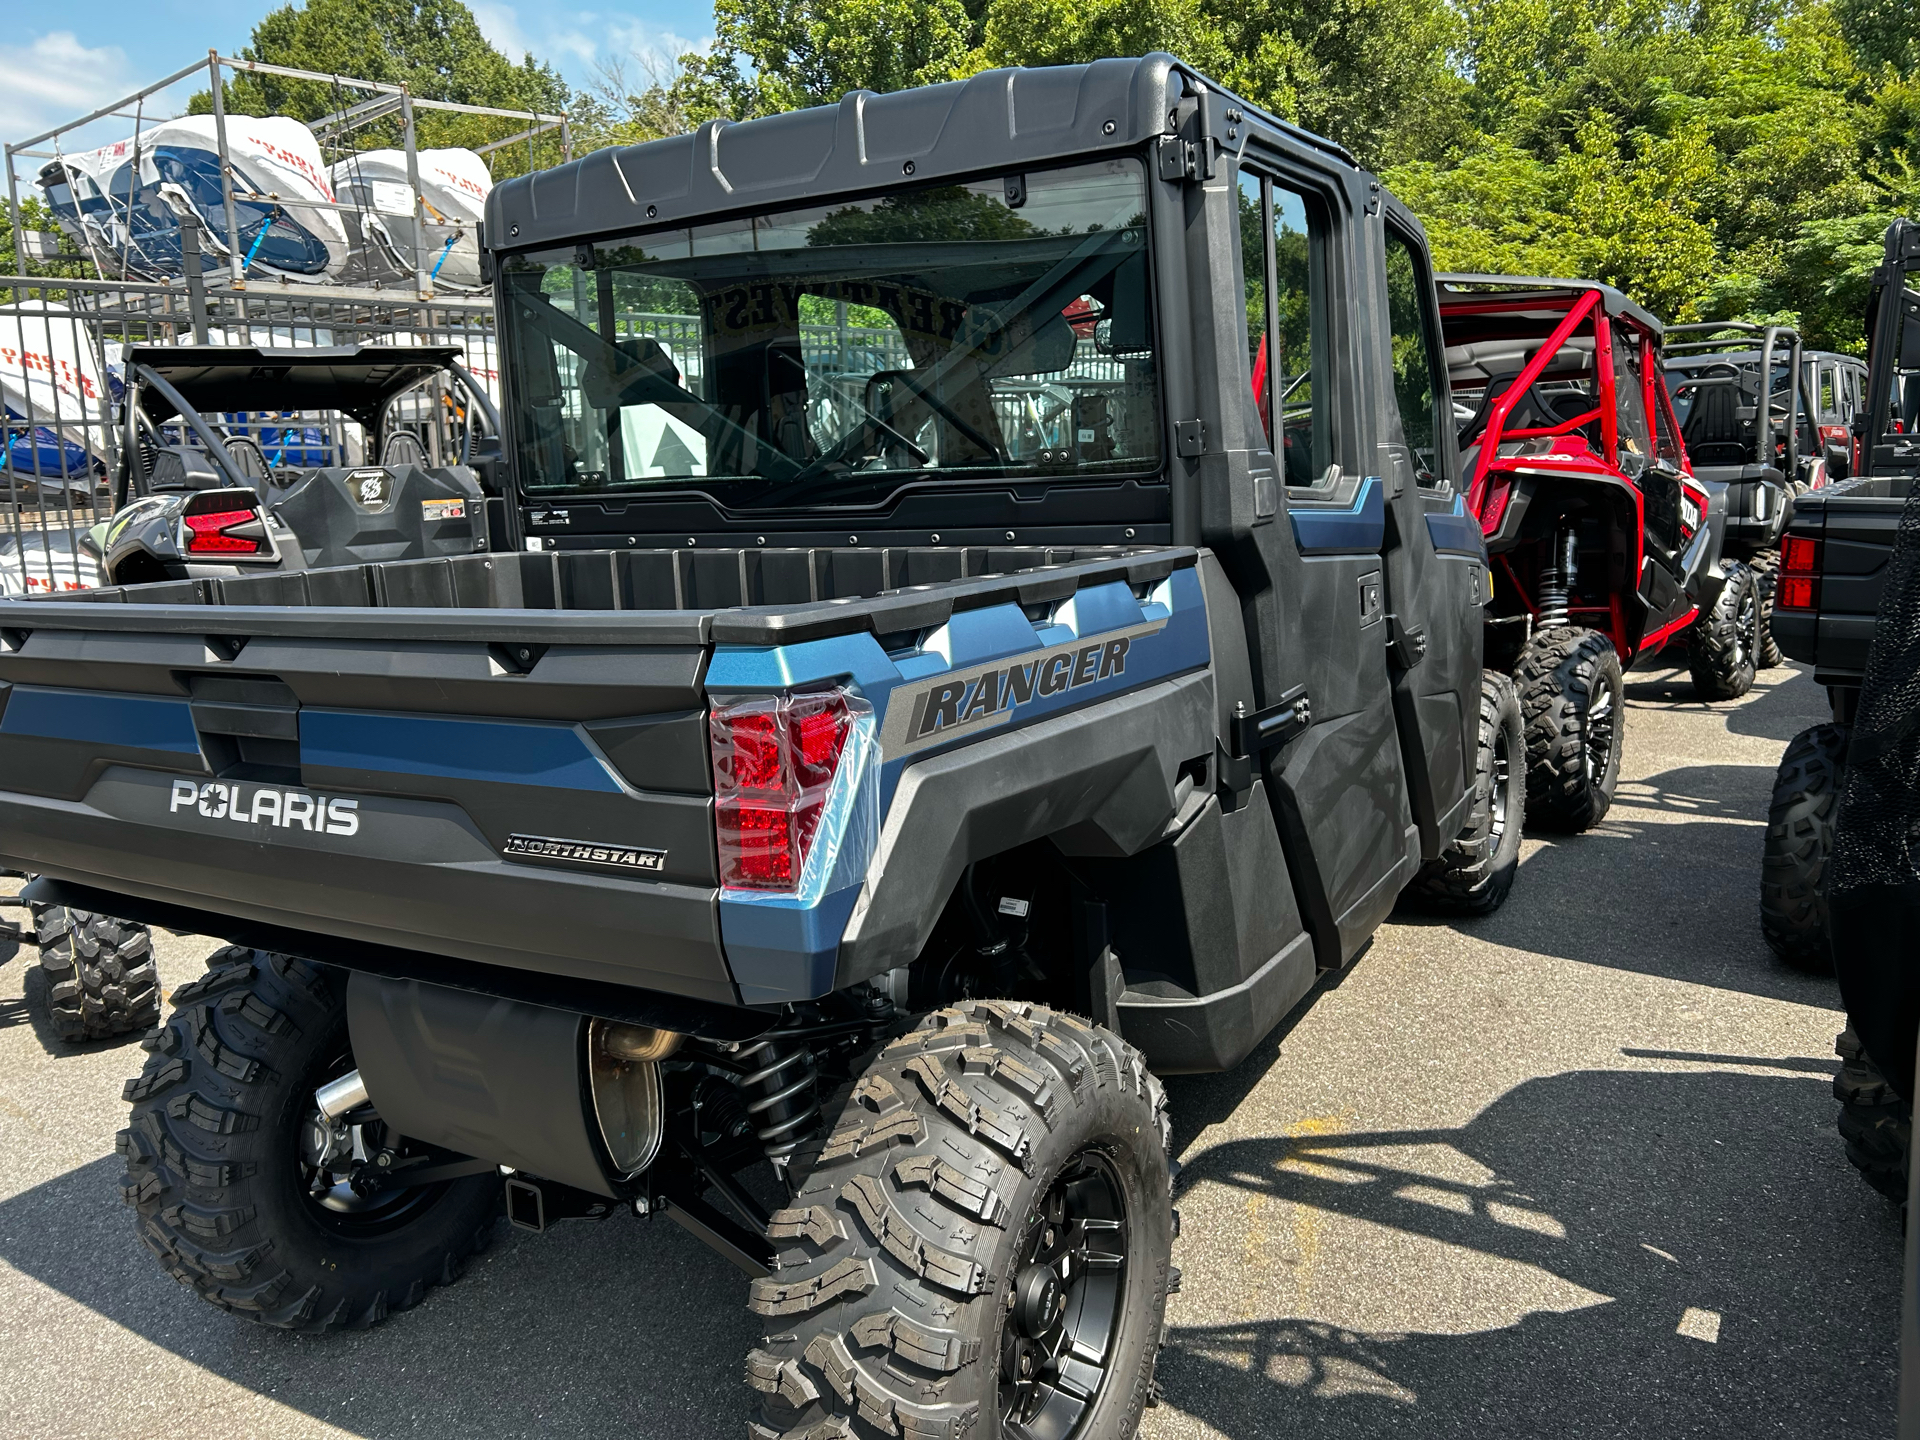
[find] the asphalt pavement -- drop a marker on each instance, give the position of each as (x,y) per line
(1566,1171)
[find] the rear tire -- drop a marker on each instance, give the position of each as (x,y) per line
(215,1167)
(1475,872)
(1724,642)
(101,980)
(1766,578)
(1799,843)
(910,1297)
(1875,1122)
(1573,704)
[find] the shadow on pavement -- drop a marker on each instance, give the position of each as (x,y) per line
(621,1327)
(1737,1178)
(1668,884)
(1782,703)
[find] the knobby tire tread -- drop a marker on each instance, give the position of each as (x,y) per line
(100,976)
(883,1315)
(1720,668)
(1799,845)
(205,1149)
(1475,872)
(1558,675)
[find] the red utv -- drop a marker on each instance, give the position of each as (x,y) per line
(1594,527)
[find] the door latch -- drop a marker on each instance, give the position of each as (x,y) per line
(1407,644)
(1257,731)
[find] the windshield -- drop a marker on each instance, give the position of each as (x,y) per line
(998,329)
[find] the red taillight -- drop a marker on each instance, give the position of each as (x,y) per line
(774,759)
(1799,587)
(225,532)
(1693,510)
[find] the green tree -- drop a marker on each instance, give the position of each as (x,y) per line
(774,55)
(433,47)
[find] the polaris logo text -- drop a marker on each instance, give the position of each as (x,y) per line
(948,706)
(263,805)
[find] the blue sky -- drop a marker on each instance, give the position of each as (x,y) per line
(56,69)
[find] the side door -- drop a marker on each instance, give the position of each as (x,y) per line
(1435,557)
(1647,456)
(1340,789)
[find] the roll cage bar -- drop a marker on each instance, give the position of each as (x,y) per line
(1892,346)
(1583,301)
(358,381)
(1713,350)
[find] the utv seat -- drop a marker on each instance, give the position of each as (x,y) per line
(1713,432)
(403,447)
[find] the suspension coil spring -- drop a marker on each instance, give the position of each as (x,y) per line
(1558,580)
(783,1093)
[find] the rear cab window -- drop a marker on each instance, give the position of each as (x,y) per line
(999,329)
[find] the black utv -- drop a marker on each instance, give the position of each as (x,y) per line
(238,459)
(999,624)
(1751,458)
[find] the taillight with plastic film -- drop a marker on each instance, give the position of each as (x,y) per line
(775,762)
(223,523)
(1799,587)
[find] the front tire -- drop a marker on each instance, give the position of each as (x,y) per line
(1573,703)
(1475,872)
(991,1211)
(1766,579)
(216,1171)
(1724,644)
(1799,843)
(1875,1123)
(100,975)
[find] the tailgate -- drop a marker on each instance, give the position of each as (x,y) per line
(529,791)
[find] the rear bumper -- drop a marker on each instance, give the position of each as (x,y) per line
(416,876)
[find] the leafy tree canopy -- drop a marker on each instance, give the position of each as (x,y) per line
(1717,159)
(433,47)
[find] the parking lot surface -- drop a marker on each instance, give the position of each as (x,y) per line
(1566,1171)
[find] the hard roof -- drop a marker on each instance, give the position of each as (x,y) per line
(999,121)
(357,379)
(1550,289)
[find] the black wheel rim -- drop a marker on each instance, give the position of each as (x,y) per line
(1598,756)
(1746,629)
(327,1186)
(1069,1284)
(1498,795)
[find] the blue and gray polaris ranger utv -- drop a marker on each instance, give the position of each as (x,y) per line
(994,617)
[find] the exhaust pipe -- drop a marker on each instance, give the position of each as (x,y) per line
(337,1097)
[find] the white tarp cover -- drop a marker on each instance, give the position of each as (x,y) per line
(50,375)
(276,163)
(454,183)
(36,564)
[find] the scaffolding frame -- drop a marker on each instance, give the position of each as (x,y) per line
(386,99)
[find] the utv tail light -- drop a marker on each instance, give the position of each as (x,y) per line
(1799,574)
(774,762)
(226,523)
(1693,509)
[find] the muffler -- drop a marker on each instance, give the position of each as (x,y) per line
(501,1081)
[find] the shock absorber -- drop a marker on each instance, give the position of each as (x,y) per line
(1558,579)
(782,1091)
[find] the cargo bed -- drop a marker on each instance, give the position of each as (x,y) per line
(402,741)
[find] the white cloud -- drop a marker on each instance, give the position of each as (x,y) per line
(501,26)
(56,78)
(578,41)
